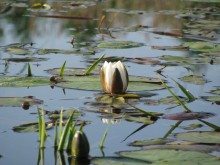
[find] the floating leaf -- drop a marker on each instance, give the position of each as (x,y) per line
(203,46)
(116,161)
(138,119)
(191,126)
(144,61)
(215,99)
(18,101)
(28,59)
(59,51)
(216,91)
(66,114)
(93,83)
(18,51)
(23,81)
(188,116)
(30,127)
(171,100)
(119,44)
(171,157)
(186,146)
(72,71)
(148,142)
(194,79)
(179,48)
(200,137)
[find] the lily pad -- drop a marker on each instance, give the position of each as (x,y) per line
(19,101)
(119,44)
(180,60)
(72,71)
(215,99)
(18,51)
(148,142)
(24,81)
(167,100)
(56,51)
(186,146)
(191,126)
(203,46)
(200,137)
(194,79)
(116,161)
(171,157)
(138,119)
(216,91)
(66,114)
(177,48)
(30,127)
(188,116)
(93,83)
(28,59)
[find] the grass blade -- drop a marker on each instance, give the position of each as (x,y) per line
(100,23)
(65,133)
(179,101)
(94,65)
(62,69)
(103,138)
(39,123)
(215,127)
(29,71)
(72,132)
(185,91)
(145,112)
(172,128)
(42,127)
(56,136)
(60,124)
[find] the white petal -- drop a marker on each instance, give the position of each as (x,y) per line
(109,74)
(123,74)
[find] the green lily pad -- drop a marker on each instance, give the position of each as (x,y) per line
(138,119)
(19,101)
(186,146)
(181,60)
(216,91)
(72,71)
(167,100)
(93,83)
(171,157)
(119,44)
(23,81)
(203,46)
(18,51)
(66,114)
(56,51)
(178,48)
(215,99)
(191,126)
(194,79)
(28,59)
(158,141)
(30,127)
(117,161)
(200,137)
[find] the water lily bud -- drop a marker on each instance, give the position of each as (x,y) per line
(80,145)
(114,77)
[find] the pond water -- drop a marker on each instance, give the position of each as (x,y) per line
(164,28)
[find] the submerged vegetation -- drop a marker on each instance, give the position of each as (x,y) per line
(128,74)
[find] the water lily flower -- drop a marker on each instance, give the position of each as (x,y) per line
(114,77)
